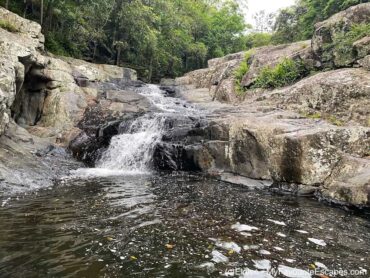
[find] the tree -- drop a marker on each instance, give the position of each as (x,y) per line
(263,21)
(158,38)
(297,22)
(42,12)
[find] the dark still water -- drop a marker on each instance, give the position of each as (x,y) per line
(175,226)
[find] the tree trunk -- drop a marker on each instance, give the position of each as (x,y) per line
(42,12)
(118,55)
(95,49)
(7,4)
(25,8)
(150,74)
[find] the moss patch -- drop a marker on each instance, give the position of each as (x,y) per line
(342,45)
(317,116)
(7,25)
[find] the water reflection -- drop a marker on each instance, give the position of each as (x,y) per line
(163,226)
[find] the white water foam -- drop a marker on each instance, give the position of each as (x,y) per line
(131,153)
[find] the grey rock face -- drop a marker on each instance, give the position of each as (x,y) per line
(338,25)
(43,99)
(312,136)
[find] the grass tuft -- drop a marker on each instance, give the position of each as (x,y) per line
(7,25)
(285,73)
(241,71)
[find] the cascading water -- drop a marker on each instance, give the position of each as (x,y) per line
(132,151)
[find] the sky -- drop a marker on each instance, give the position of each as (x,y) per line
(268,5)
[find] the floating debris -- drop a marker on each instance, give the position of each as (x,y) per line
(229,246)
(321,265)
(246,234)
(248,273)
(291,272)
(243,228)
(277,222)
(170,246)
(302,232)
(264,252)
(318,241)
(262,264)
(251,247)
(218,257)
(209,266)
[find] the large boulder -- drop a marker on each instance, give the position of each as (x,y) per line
(349,182)
(48,95)
(113,110)
(328,31)
(270,56)
(261,139)
(285,150)
(340,96)
(365,62)
(23,29)
(219,77)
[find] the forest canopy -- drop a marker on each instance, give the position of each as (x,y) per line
(158,38)
(166,38)
(297,22)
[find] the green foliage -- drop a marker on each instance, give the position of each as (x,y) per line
(166,37)
(297,22)
(254,40)
(59,45)
(333,120)
(241,71)
(315,116)
(330,118)
(343,43)
(286,72)
(7,25)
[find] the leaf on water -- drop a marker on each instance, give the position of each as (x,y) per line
(170,246)
(110,238)
(133,258)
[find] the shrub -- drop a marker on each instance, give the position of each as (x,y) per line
(258,39)
(286,72)
(343,43)
(59,45)
(7,25)
(241,71)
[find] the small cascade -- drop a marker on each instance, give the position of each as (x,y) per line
(132,151)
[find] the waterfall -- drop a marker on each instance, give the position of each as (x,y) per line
(132,151)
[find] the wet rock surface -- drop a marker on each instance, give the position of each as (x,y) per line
(117,105)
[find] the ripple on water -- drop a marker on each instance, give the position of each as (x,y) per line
(172,226)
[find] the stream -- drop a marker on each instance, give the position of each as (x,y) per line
(123,219)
